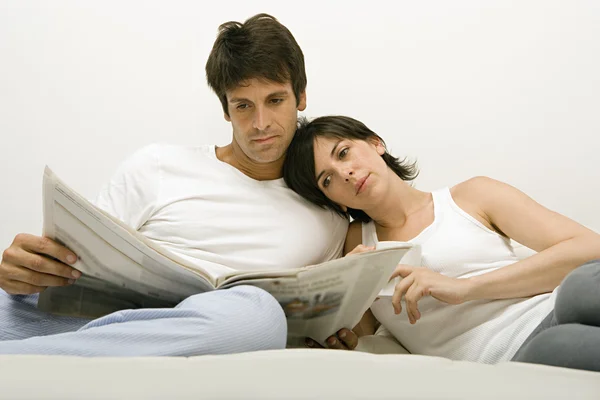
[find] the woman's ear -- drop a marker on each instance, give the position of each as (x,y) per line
(378,144)
(344,208)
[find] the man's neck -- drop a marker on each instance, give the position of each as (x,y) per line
(259,171)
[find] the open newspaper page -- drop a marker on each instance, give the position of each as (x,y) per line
(121,268)
(319,300)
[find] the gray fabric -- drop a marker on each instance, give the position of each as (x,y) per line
(570,335)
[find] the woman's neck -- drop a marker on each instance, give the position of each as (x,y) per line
(398,203)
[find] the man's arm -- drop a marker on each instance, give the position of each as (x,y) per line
(33,263)
(346,339)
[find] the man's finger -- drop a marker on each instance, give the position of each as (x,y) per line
(44,245)
(46,265)
(348,338)
(313,344)
(14,287)
(16,274)
(333,342)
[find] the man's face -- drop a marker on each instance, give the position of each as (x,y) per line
(263,115)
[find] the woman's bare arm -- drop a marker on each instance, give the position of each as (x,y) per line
(562,244)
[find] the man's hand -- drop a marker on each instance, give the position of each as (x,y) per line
(344,339)
(418,282)
(33,263)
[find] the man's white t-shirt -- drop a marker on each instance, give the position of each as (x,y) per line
(210,213)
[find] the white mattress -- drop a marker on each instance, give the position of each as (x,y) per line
(287,374)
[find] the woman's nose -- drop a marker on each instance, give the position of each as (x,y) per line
(348,175)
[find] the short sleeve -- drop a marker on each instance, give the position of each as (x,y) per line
(132,193)
(338,237)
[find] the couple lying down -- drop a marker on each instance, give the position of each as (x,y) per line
(471,298)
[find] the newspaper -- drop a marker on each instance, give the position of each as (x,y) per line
(122,269)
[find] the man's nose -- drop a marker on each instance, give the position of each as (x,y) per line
(262,118)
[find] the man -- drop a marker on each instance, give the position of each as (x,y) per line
(226,208)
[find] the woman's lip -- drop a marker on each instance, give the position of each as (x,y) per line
(361,184)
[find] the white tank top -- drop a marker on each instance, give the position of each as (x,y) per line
(459,246)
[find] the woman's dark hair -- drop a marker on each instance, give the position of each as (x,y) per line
(259,48)
(299,165)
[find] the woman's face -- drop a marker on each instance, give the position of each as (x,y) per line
(351,173)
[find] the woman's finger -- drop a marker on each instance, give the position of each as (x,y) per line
(361,248)
(399,291)
(413,295)
(402,270)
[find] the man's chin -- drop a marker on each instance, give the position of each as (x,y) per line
(267,156)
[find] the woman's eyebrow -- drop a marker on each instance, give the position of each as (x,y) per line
(335,147)
(332,154)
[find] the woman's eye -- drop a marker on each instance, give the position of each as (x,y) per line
(343,153)
(326,181)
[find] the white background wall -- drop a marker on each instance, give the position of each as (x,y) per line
(509,89)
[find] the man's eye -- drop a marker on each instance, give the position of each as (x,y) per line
(242,106)
(276,101)
(343,153)
(326,181)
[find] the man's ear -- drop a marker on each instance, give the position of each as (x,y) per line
(227,117)
(302,101)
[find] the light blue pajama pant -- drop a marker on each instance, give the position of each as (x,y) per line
(235,320)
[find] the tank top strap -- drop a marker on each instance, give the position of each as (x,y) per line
(442,202)
(369,233)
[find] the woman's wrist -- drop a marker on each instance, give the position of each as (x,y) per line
(471,286)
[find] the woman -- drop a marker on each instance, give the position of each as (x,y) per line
(471,298)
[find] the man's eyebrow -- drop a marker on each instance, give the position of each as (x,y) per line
(239,100)
(281,93)
(331,154)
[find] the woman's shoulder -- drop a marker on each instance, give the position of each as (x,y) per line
(475,195)
(478,187)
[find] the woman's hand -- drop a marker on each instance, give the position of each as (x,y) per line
(361,248)
(418,282)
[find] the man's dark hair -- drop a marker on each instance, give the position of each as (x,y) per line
(299,164)
(259,48)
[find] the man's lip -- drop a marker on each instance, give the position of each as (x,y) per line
(264,139)
(360,183)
